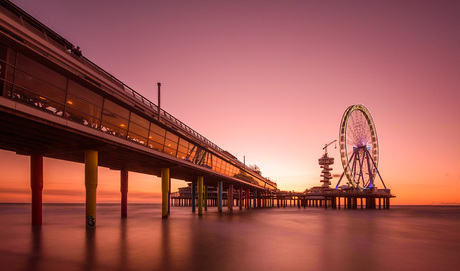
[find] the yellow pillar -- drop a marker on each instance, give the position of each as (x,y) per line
(200,195)
(164,192)
(91,162)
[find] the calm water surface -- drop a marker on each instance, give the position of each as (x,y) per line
(403,238)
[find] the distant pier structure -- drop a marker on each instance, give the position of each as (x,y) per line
(359,153)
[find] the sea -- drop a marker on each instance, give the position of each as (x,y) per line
(401,238)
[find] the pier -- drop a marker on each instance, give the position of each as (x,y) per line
(56,103)
(330,198)
(337,199)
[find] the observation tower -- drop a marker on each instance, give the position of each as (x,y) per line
(325,161)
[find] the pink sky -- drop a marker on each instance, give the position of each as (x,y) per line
(270,80)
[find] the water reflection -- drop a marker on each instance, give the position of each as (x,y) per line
(90,250)
(124,247)
(258,239)
(165,245)
(36,248)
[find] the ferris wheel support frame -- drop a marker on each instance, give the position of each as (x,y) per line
(372,160)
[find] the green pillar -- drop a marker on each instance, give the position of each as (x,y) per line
(219,196)
(91,163)
(164,192)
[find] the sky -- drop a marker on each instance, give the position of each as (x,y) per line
(269,81)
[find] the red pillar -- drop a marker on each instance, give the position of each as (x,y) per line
(230,197)
(240,201)
(36,184)
(247,197)
(124,192)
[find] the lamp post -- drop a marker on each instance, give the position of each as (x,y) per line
(159,100)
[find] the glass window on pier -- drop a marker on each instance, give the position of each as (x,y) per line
(191,152)
(156,137)
(171,143)
(182,150)
(114,119)
(83,105)
(39,86)
(7,59)
(138,129)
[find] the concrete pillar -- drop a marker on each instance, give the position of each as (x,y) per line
(124,192)
(219,196)
(200,195)
(193,195)
(36,185)
(241,198)
(91,163)
(248,198)
(169,196)
(230,197)
(164,192)
(205,197)
(255,198)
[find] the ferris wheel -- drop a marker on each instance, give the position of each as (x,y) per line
(359,148)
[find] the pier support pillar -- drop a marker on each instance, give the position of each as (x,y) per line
(91,163)
(36,185)
(169,196)
(219,196)
(247,197)
(193,195)
(240,201)
(255,198)
(124,192)
(164,192)
(200,195)
(230,197)
(205,198)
